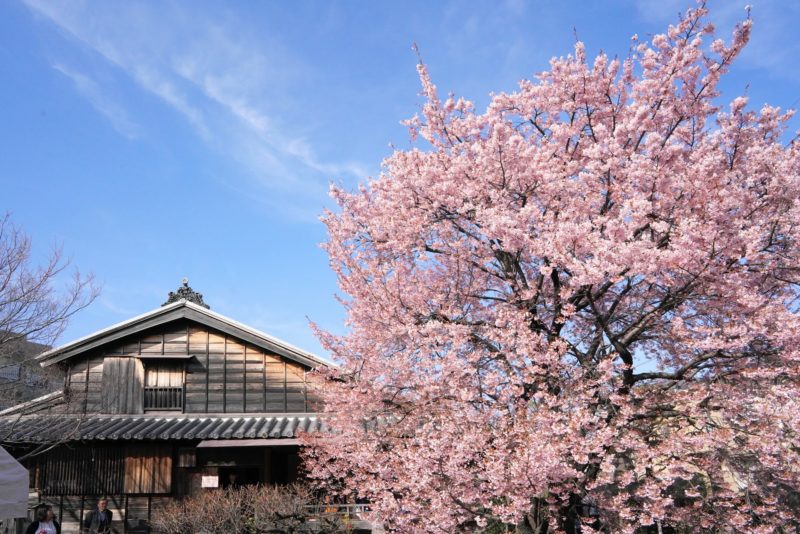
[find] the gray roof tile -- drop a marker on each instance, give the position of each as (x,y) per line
(72,427)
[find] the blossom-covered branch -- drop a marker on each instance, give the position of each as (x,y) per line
(580,305)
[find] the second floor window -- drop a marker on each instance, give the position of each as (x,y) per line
(163,386)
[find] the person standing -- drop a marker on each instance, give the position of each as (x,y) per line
(45,522)
(98,521)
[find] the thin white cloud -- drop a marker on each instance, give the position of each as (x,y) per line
(107,107)
(153,81)
(108,37)
(230,86)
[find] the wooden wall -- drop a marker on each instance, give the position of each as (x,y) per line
(224,375)
(148,468)
(134,468)
(85,384)
(139,478)
(89,470)
(123,385)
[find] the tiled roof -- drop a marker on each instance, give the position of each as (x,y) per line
(47,428)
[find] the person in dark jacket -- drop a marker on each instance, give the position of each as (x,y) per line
(45,522)
(98,521)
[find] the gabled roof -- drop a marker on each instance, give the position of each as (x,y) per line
(182,309)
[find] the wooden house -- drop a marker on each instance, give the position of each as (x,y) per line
(162,406)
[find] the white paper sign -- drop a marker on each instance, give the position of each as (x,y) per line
(211,481)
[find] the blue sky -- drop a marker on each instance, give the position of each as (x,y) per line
(154,141)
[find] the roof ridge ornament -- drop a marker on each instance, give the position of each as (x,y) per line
(186,293)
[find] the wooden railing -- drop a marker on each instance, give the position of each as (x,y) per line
(163,398)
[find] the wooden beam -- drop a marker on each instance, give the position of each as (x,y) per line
(225,375)
(208,372)
(217,443)
(164,356)
(285,388)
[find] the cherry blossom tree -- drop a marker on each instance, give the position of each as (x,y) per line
(578,309)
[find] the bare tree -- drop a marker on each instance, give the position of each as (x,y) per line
(262,509)
(36,303)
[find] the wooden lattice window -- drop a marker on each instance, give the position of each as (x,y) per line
(163,385)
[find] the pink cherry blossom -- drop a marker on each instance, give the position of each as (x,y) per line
(582,301)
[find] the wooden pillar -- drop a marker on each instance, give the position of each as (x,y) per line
(305,390)
(86,386)
(264,368)
(225,376)
(267,475)
(80,515)
(244,378)
(208,371)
